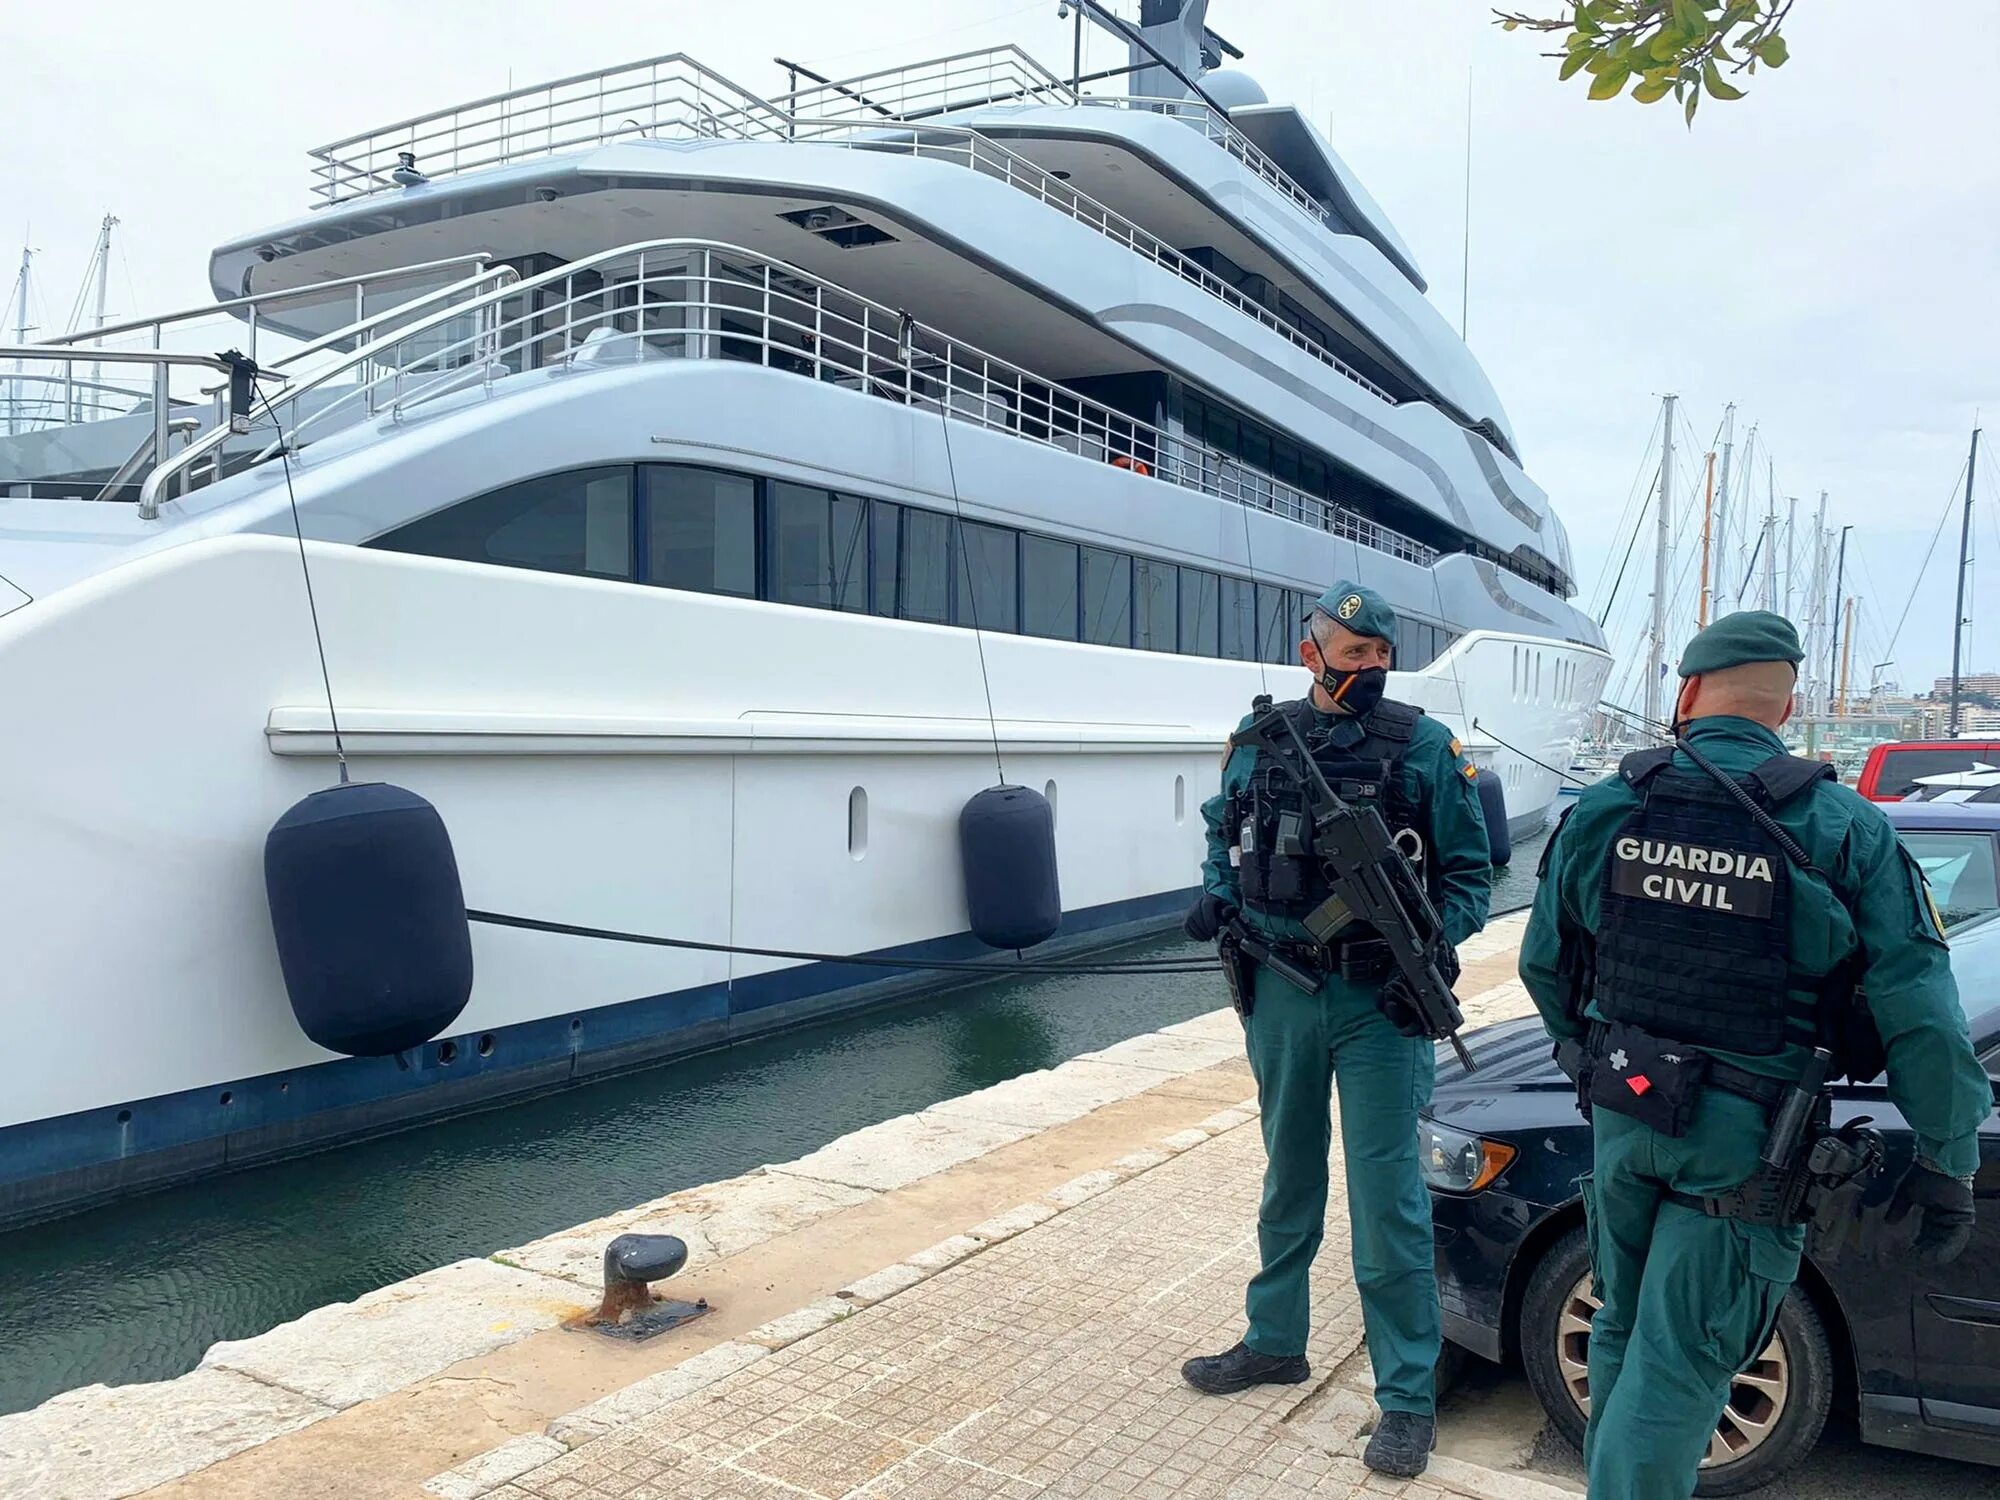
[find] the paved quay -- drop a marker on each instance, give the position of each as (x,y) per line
(990,1298)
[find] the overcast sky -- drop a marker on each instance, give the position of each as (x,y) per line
(1825,253)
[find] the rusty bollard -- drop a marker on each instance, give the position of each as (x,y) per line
(629,1309)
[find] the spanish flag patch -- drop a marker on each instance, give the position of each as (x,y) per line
(1470,771)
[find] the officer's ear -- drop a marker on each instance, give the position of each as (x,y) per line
(1309,656)
(1684,700)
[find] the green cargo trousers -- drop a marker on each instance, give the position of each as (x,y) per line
(1688,1300)
(1298,1045)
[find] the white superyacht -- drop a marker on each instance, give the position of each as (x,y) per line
(656,445)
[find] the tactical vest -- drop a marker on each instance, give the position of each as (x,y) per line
(1278,874)
(1694,916)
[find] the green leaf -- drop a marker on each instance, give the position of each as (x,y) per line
(1773,52)
(1693,99)
(1712,78)
(1578,42)
(1652,90)
(1665,46)
(1573,64)
(1611,83)
(1507,25)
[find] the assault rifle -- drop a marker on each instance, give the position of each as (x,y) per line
(1371,877)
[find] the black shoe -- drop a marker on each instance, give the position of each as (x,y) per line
(1243,1367)
(1401,1445)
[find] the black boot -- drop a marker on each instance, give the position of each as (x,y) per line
(1242,1367)
(1401,1445)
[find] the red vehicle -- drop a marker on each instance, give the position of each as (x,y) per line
(1890,773)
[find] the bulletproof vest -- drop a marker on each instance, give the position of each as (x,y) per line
(1694,928)
(1361,759)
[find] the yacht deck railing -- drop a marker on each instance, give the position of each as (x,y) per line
(676,98)
(671,98)
(697,299)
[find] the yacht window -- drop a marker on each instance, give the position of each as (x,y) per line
(1048,588)
(986,598)
(1274,642)
(819,551)
(1201,615)
(1107,597)
(1239,624)
(885,532)
(1153,604)
(579,523)
(702,530)
(923,570)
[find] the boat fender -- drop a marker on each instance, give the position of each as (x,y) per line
(370,918)
(1007,840)
(1493,803)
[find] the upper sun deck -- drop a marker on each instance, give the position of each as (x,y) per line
(675,97)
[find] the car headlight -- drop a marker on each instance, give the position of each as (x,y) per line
(1454,1161)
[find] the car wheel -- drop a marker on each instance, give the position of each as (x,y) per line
(1776,1408)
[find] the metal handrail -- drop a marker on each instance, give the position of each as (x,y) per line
(706,299)
(972,148)
(160,363)
(909,90)
(256,300)
(148,449)
(446,128)
(505,278)
(582,109)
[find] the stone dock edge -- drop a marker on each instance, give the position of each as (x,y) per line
(106,1442)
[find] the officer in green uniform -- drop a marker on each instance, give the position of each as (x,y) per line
(1688,964)
(1388,754)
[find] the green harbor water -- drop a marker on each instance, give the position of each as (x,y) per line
(138,1290)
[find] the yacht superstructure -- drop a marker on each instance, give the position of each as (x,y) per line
(655,448)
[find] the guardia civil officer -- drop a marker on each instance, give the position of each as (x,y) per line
(1721,960)
(1389,755)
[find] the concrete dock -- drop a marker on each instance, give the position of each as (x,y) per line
(989,1298)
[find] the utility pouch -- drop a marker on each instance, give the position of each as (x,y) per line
(1647,1078)
(1289,859)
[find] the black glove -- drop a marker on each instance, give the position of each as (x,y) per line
(1205,918)
(1944,1204)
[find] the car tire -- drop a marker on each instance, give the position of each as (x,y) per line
(1552,1296)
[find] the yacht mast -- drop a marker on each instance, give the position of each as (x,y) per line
(1656,656)
(1791,530)
(1839,583)
(1964,550)
(1815,607)
(1707,540)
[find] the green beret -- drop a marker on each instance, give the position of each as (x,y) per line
(1362,611)
(1739,639)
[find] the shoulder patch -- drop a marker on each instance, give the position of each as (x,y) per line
(1469,771)
(1456,747)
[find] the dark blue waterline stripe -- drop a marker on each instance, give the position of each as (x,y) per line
(48,1165)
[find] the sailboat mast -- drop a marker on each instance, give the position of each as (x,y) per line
(1722,498)
(1656,656)
(1770,534)
(1839,582)
(20,339)
(1846,654)
(1791,529)
(1964,550)
(1707,519)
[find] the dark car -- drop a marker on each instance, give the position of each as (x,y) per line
(1914,1351)
(1958,845)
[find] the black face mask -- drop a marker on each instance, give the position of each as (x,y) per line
(1357,692)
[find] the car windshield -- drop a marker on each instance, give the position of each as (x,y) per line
(1960,868)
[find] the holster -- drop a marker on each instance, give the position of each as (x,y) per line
(1239,973)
